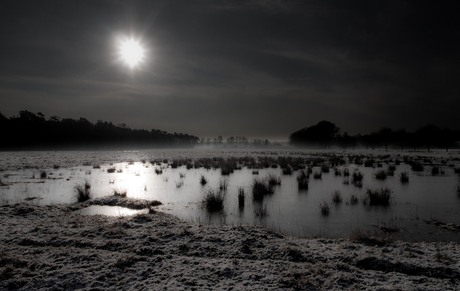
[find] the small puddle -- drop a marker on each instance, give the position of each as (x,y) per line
(110,211)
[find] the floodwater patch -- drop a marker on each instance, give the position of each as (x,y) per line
(110,211)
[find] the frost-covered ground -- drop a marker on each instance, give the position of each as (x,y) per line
(46,247)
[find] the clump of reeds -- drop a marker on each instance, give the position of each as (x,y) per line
(260,188)
(368,163)
(111,170)
(287,170)
(353,199)
(302,181)
(223,184)
(214,200)
(120,192)
(325,168)
(416,167)
(337,197)
(436,171)
(317,175)
(241,197)
(381,175)
(226,170)
(274,180)
(203,180)
(83,192)
(357,179)
(346,172)
(260,210)
(325,210)
(379,197)
(43,174)
(158,171)
(337,172)
(255,172)
(181,175)
(404,177)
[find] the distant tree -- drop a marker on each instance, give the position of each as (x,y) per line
(321,134)
(31,131)
(429,136)
(385,137)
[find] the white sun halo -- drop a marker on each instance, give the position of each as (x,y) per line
(131,52)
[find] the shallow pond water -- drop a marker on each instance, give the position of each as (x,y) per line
(288,210)
(110,211)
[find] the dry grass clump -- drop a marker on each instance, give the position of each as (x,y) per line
(241,197)
(120,192)
(337,197)
(83,192)
(274,180)
(353,199)
(214,200)
(381,175)
(260,210)
(261,188)
(379,197)
(302,181)
(223,184)
(404,177)
(203,180)
(317,175)
(325,210)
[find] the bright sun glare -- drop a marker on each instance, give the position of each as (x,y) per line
(131,52)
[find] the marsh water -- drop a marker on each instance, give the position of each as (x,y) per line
(51,177)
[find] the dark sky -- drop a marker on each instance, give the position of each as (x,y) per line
(260,68)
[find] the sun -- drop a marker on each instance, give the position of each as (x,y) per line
(131,52)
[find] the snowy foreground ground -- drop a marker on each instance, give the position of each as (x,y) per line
(54,247)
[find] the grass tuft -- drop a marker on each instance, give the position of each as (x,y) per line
(317,175)
(302,181)
(325,210)
(223,184)
(214,200)
(261,188)
(274,180)
(83,192)
(203,180)
(337,197)
(353,199)
(404,177)
(381,175)
(241,197)
(260,210)
(120,193)
(379,197)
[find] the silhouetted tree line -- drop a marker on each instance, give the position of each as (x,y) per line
(33,131)
(326,134)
